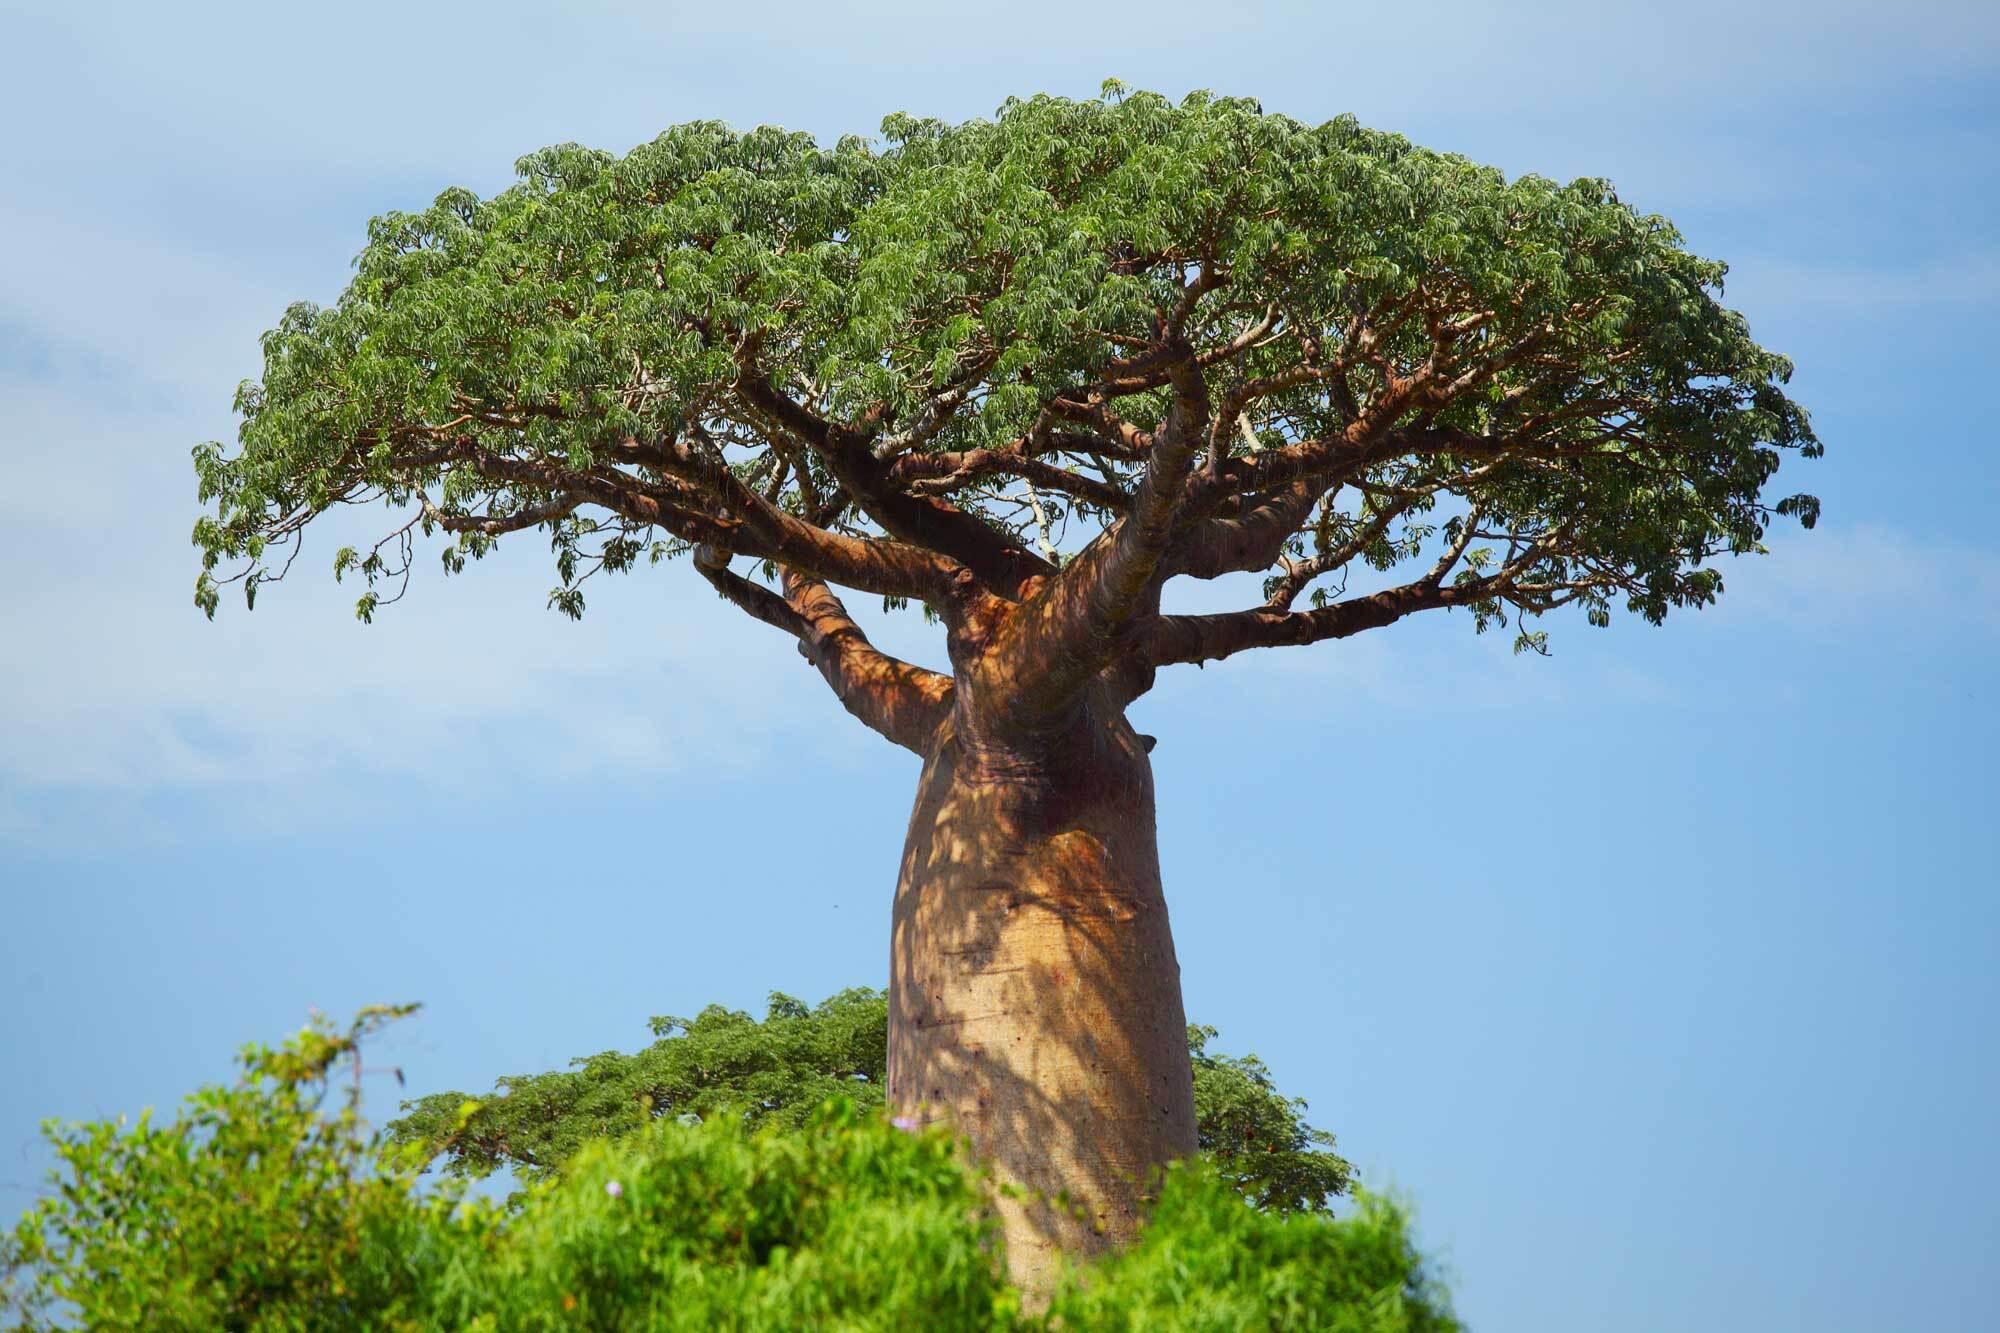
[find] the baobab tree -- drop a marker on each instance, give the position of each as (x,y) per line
(1023,374)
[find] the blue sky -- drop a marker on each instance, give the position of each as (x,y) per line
(1660,974)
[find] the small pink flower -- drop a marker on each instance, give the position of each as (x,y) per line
(908,1124)
(614,1189)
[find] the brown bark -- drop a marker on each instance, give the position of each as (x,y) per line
(903,703)
(1034,996)
(927,522)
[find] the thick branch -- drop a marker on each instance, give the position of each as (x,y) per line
(704,502)
(1212,547)
(494,527)
(620,492)
(993,557)
(893,568)
(1172,639)
(1067,632)
(902,702)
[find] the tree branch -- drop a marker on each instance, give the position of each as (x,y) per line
(994,558)
(1064,635)
(1172,639)
(495,527)
(1300,573)
(902,702)
(1210,548)
(943,471)
(1175,639)
(733,518)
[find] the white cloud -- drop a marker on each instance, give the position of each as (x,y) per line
(1866,576)
(112,680)
(116,680)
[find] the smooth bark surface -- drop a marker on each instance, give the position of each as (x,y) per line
(1034,996)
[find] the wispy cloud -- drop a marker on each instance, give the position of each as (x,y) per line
(121,684)
(112,679)
(110,304)
(1867,576)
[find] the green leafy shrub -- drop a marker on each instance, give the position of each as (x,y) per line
(254,1209)
(843,1223)
(1205,1262)
(257,1209)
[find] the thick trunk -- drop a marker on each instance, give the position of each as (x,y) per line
(1034,998)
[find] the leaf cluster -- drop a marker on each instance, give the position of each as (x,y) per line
(253,1199)
(722,1060)
(257,1209)
(1258,1138)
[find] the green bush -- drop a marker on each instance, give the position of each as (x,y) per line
(256,1209)
(786,1066)
(1207,1262)
(845,1223)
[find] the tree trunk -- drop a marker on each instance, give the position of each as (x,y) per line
(1034,997)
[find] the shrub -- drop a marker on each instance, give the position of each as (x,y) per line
(257,1209)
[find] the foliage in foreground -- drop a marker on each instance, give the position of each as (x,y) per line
(253,1206)
(786,1067)
(256,1210)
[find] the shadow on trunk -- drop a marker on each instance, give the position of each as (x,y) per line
(1034,996)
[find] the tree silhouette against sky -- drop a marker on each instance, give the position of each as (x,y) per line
(1022,374)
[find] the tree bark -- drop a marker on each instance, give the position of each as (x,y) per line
(1034,996)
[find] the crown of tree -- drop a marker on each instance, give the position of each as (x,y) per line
(1023,372)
